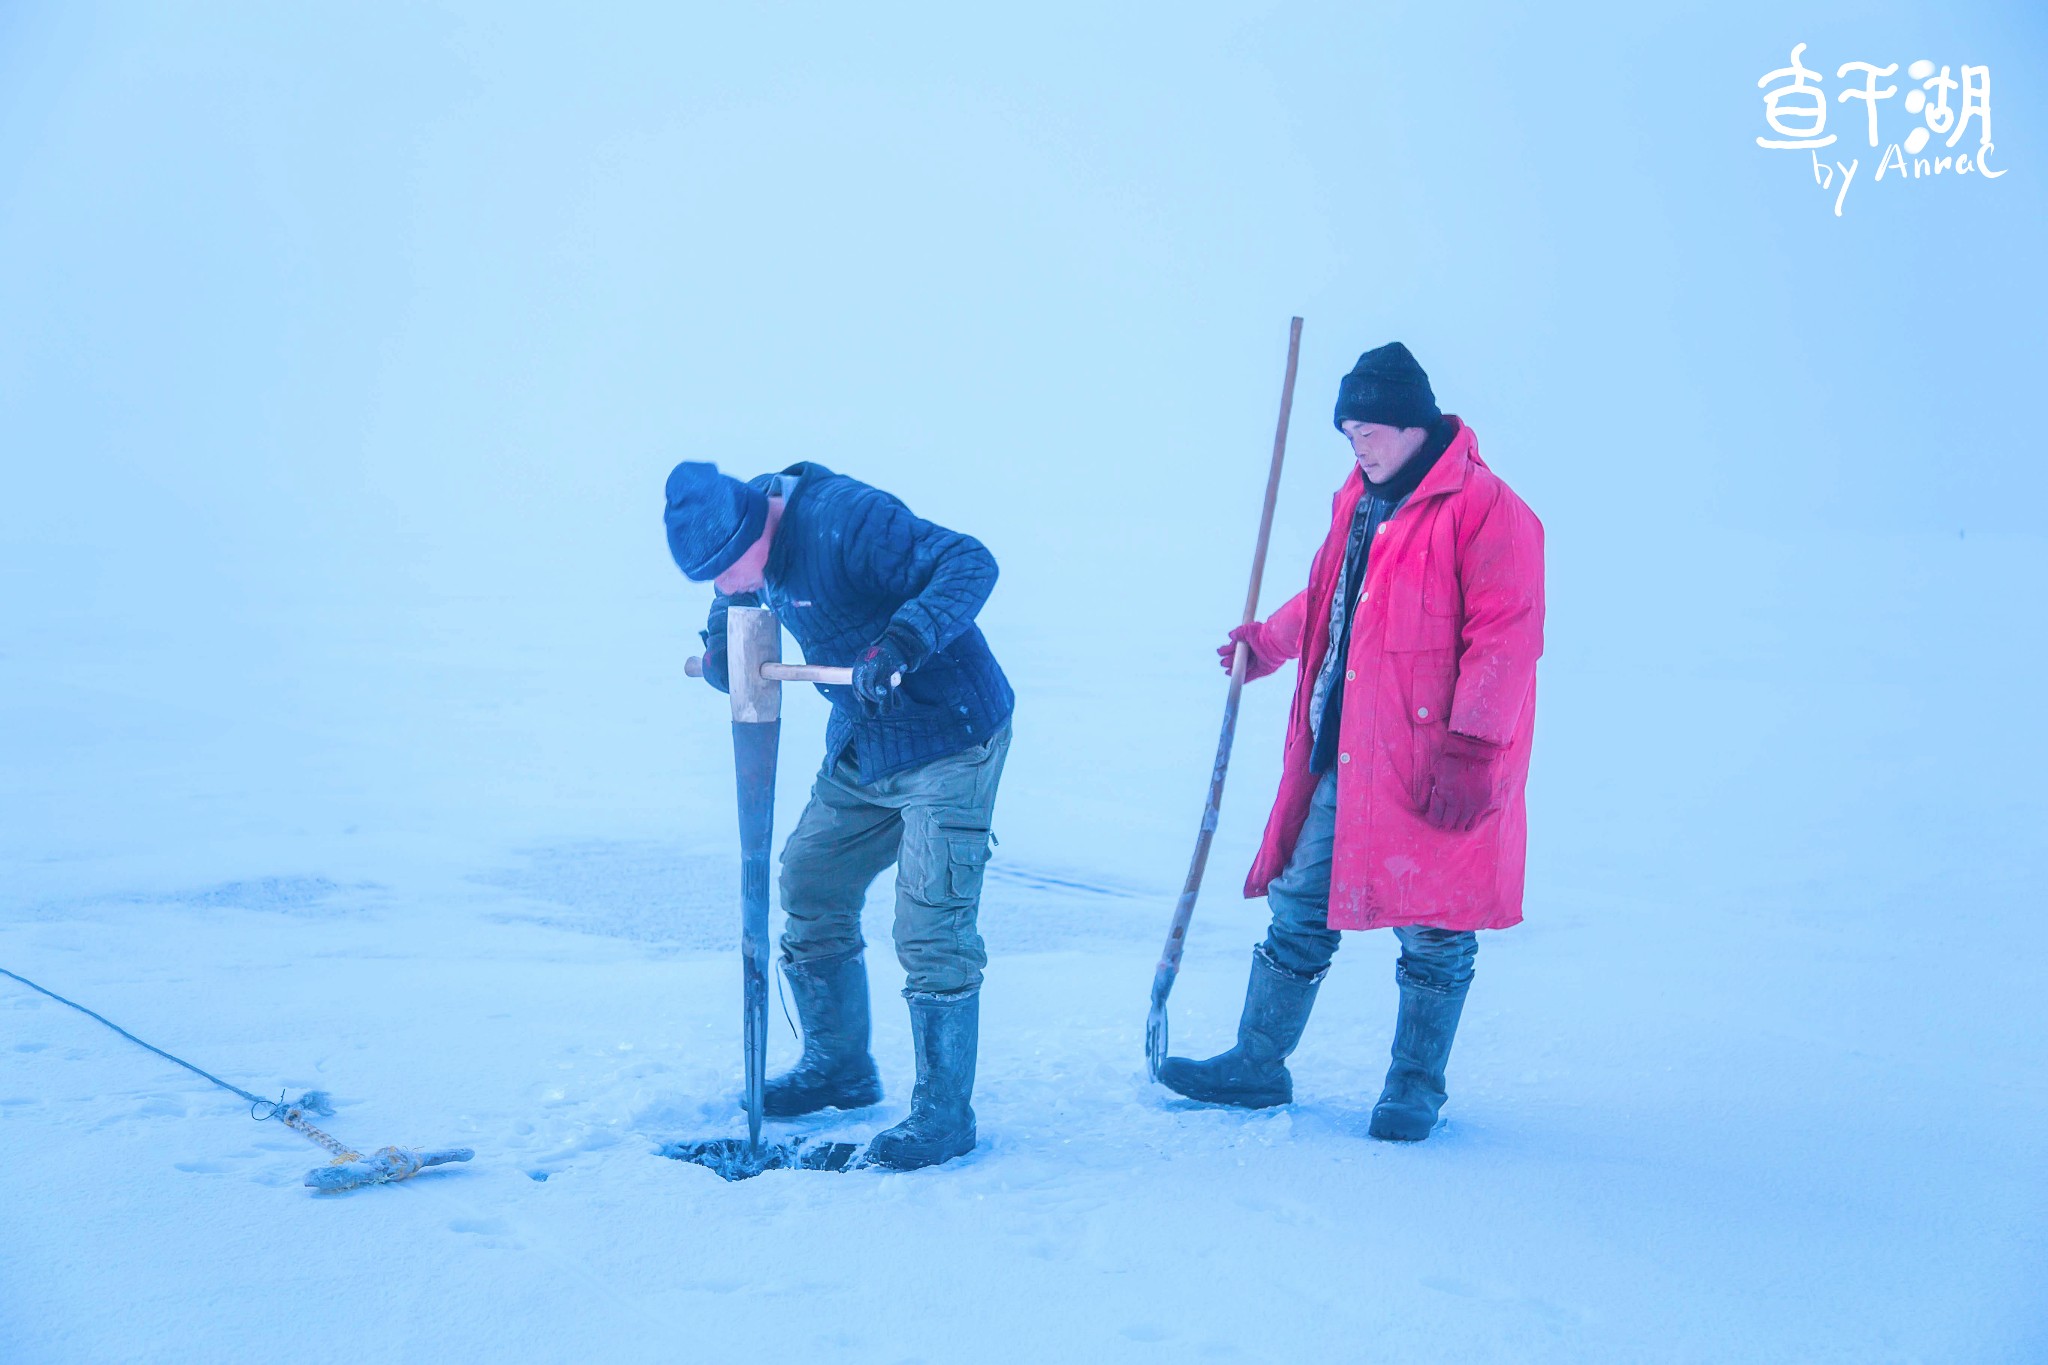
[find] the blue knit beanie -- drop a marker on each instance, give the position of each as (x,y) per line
(712,519)
(1387,387)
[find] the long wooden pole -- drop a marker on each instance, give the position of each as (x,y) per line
(1184,910)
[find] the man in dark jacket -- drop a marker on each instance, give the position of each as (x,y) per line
(909,778)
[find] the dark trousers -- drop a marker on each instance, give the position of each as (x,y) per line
(1301,939)
(932,821)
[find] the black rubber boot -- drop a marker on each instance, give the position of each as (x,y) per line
(836,1070)
(947,1032)
(1414,1093)
(1253,1075)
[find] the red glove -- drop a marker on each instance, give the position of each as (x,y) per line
(1461,782)
(1264,658)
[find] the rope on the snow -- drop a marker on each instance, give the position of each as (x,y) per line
(294,1116)
(254,1100)
(349,1168)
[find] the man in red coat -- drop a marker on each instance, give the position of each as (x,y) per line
(1401,791)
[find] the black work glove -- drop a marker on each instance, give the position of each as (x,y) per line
(897,652)
(716,671)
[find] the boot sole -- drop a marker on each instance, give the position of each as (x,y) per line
(865,1096)
(1230,1102)
(1231,1099)
(844,1103)
(914,1161)
(1400,1129)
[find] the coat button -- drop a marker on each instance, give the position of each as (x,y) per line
(1422,713)
(1383,529)
(1343,758)
(1365,597)
(1350,675)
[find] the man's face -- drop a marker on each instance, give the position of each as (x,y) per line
(750,570)
(1383,450)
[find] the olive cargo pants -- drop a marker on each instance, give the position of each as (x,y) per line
(932,821)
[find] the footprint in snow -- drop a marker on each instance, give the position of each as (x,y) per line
(1464,1289)
(488,1232)
(160,1108)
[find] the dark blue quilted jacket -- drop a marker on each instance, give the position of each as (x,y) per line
(848,562)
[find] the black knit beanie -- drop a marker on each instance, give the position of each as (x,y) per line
(1386,386)
(712,519)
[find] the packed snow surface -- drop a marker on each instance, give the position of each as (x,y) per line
(345,741)
(1758,1079)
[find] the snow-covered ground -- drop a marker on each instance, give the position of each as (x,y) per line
(1758,1080)
(345,742)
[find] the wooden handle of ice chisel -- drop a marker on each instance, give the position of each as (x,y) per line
(810,673)
(1184,910)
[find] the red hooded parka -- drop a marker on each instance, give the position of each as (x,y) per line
(1445,635)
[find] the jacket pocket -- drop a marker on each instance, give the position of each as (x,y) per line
(1442,599)
(1432,681)
(1420,615)
(1441,594)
